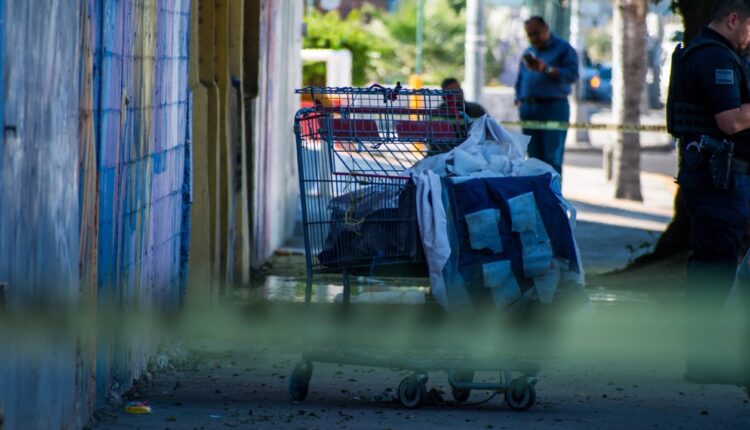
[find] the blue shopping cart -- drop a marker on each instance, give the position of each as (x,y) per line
(359,217)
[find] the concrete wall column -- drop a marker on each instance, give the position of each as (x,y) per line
(201,234)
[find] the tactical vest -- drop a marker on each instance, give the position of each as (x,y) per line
(689,118)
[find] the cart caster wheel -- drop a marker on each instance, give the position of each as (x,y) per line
(412,391)
(299,382)
(520,395)
(461,395)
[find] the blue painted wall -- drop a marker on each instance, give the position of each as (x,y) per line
(38,181)
(39,216)
(141,116)
(94,182)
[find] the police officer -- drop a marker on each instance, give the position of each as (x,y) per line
(709,112)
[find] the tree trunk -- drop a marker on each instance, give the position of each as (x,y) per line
(696,14)
(577,109)
(628,77)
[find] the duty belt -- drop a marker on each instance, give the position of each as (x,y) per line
(737,165)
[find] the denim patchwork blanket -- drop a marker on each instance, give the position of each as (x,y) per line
(511,242)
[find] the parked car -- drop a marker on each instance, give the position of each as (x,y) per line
(597,83)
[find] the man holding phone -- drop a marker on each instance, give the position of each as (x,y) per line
(548,71)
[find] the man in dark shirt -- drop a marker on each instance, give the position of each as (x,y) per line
(714,86)
(473,110)
(546,75)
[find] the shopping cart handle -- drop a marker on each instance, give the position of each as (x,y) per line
(388,94)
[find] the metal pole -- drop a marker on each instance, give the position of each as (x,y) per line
(420,29)
(474,51)
(577,109)
(310,6)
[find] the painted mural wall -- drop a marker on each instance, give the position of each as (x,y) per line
(141,122)
(109,155)
(39,240)
(38,185)
(142,117)
(94,192)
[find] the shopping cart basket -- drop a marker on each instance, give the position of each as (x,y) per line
(359,210)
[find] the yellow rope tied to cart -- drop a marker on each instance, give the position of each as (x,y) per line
(349,219)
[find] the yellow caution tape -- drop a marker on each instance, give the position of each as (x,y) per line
(558,125)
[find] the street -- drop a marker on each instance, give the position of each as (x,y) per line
(618,367)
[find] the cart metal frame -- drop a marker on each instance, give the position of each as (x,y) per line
(353,147)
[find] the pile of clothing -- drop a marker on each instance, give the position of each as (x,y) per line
(494,225)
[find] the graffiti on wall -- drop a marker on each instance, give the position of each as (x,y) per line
(95,162)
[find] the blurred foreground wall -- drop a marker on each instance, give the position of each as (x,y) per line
(39,205)
(94,194)
(146,146)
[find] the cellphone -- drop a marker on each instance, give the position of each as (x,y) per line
(529,56)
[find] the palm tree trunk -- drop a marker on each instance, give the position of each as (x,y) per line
(628,77)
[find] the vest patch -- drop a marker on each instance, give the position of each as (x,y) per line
(724,76)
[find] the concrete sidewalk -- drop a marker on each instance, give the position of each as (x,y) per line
(611,232)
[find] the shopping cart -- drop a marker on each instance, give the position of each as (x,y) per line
(359,216)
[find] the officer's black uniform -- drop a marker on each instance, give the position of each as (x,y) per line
(714,80)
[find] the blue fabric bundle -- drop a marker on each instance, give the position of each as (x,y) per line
(506,235)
